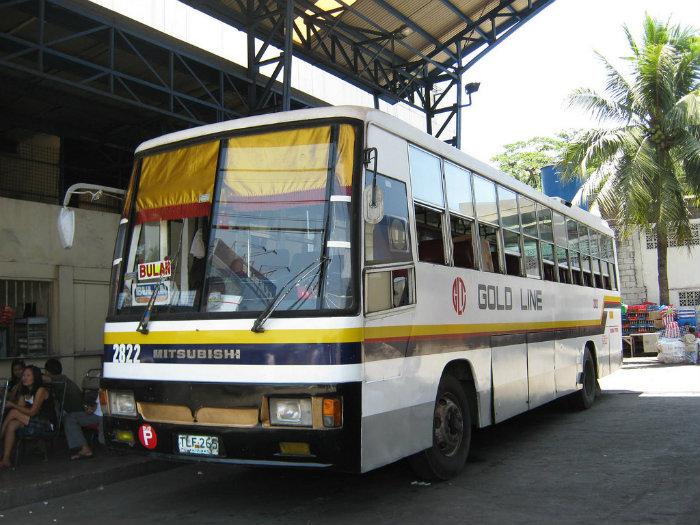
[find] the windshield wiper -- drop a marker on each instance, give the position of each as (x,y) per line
(284,291)
(142,328)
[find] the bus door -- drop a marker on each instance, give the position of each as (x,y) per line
(389,278)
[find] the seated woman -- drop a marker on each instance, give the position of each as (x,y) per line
(15,381)
(17,367)
(31,415)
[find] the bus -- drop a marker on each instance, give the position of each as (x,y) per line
(334,288)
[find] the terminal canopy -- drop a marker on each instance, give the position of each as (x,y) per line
(395,49)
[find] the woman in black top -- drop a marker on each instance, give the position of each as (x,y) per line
(15,379)
(17,367)
(29,416)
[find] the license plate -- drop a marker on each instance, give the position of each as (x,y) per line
(198,445)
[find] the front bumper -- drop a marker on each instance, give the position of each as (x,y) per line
(336,448)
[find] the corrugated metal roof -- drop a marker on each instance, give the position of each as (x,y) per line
(394,48)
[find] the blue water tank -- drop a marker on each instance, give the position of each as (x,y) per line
(553,186)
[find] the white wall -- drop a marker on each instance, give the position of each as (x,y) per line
(79,277)
(683,269)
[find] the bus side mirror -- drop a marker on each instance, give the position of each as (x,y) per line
(66,227)
(372,197)
(373,213)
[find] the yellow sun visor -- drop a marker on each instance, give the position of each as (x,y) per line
(289,166)
(177,184)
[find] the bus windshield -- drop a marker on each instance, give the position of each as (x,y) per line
(223,226)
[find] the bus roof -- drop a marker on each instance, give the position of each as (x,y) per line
(392,125)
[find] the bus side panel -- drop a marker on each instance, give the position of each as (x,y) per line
(540,368)
(566,363)
(510,378)
(397,413)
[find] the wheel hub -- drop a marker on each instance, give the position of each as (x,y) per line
(448,425)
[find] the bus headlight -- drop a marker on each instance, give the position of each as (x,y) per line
(122,404)
(296,412)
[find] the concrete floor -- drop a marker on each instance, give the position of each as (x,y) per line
(633,458)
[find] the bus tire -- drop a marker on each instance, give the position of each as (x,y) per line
(452,430)
(584,398)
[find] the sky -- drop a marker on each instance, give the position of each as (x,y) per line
(526,79)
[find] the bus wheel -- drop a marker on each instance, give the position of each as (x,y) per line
(584,398)
(452,431)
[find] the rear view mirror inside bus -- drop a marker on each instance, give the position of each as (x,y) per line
(398,235)
(373,204)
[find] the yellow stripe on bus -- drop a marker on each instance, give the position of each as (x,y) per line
(612,299)
(340,335)
(380,332)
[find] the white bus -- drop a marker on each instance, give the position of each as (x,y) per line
(334,288)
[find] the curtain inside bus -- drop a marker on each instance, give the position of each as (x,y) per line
(278,192)
(166,250)
(177,184)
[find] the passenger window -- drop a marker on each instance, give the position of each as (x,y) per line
(528,216)
(459,190)
(606,275)
(401,292)
(572,231)
(593,237)
(388,241)
(583,239)
(485,199)
(511,250)
(597,278)
(508,206)
(544,216)
(613,276)
(586,269)
(548,263)
(388,289)
(426,177)
(462,231)
(531,259)
(429,233)
(563,264)
(559,227)
(575,261)
(378,291)
(490,258)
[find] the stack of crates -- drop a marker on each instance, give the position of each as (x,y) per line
(686,317)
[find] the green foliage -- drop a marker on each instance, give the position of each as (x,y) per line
(524,159)
(648,142)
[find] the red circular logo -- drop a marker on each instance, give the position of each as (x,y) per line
(147,436)
(459,296)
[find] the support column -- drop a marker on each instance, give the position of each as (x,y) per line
(457,142)
(287,57)
(252,71)
(65,317)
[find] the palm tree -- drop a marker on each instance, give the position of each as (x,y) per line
(645,156)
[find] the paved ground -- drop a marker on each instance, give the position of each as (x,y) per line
(633,458)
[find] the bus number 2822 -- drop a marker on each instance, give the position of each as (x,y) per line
(126,353)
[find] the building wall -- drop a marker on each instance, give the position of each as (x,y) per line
(683,266)
(78,278)
(632,284)
(638,269)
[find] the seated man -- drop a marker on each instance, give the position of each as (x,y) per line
(73,398)
(73,424)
